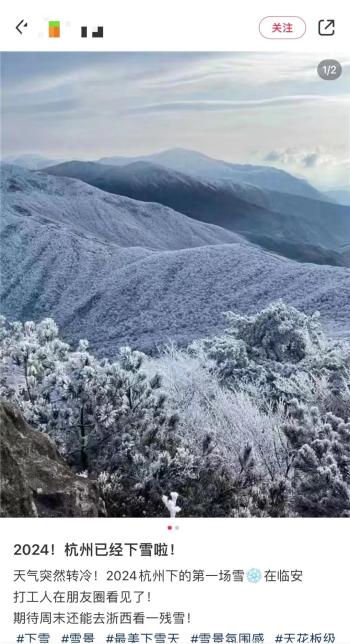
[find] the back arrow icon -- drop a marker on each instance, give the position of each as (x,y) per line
(19,24)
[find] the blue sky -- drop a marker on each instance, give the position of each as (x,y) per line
(242,107)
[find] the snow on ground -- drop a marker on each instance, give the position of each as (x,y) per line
(118,271)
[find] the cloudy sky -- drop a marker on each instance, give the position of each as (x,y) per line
(242,107)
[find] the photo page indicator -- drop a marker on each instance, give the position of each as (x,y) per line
(329,69)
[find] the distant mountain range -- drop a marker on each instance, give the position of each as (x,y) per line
(298,227)
(199,166)
(119,271)
(203,167)
(342,196)
(31,161)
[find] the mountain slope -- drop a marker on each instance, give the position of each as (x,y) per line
(109,218)
(31,161)
(341,196)
(172,295)
(201,166)
(299,251)
(245,210)
(121,294)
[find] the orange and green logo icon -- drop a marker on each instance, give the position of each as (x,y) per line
(54,29)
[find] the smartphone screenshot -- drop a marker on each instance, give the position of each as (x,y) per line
(175,322)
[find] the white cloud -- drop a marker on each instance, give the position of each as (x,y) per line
(222,104)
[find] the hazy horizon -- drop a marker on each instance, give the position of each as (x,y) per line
(256,108)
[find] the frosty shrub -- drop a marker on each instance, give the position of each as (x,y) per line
(255,388)
(321,484)
(255,422)
(232,419)
(281,351)
(103,415)
(239,451)
(30,353)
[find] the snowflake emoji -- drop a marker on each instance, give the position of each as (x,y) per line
(254,575)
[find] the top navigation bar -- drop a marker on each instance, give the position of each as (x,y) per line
(166,25)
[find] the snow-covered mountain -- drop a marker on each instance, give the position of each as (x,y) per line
(123,272)
(203,167)
(90,212)
(341,195)
(31,161)
(285,223)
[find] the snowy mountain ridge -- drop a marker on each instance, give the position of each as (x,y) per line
(118,271)
(276,220)
(201,166)
(107,217)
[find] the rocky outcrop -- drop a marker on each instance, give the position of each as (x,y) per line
(35,481)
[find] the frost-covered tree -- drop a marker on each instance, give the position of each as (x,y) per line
(104,415)
(281,351)
(29,354)
(255,422)
(265,367)
(321,481)
(279,333)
